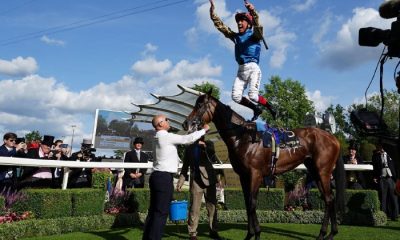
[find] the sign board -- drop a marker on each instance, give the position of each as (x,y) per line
(112,130)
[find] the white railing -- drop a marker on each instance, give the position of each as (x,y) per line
(10,161)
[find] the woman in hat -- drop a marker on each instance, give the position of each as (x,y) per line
(355,180)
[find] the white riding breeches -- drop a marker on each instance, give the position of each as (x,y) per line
(248,75)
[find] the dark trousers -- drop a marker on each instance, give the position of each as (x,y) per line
(387,186)
(161,190)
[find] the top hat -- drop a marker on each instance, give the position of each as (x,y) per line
(48,140)
(138,140)
(353,145)
(87,141)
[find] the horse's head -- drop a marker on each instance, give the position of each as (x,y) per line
(201,114)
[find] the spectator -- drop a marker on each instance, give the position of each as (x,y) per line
(165,165)
(202,183)
(10,149)
(385,175)
(134,178)
(59,151)
(355,179)
(41,177)
(82,177)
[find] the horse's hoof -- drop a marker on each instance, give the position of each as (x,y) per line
(320,237)
(249,236)
(330,236)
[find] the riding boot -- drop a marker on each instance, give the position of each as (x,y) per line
(263,101)
(256,109)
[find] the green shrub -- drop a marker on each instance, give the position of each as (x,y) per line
(272,199)
(2,203)
(87,202)
(100,179)
(45,203)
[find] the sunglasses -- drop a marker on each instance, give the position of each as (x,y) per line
(12,140)
(166,120)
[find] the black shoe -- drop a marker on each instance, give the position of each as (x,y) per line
(274,114)
(257,112)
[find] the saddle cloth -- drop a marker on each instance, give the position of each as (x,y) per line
(276,136)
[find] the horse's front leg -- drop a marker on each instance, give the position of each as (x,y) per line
(250,188)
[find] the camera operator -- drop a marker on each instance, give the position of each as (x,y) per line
(82,177)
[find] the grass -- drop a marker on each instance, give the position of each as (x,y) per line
(272,231)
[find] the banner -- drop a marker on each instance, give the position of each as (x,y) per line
(112,130)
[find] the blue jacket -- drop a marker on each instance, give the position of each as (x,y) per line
(247,47)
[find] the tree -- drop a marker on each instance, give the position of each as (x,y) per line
(205,87)
(120,128)
(101,125)
(34,135)
(290,100)
(119,153)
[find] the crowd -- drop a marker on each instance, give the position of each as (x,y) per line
(16,177)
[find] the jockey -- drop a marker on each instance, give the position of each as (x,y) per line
(247,54)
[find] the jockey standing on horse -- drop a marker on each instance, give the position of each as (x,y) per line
(247,54)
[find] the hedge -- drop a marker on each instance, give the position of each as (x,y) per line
(362,201)
(55,203)
(272,199)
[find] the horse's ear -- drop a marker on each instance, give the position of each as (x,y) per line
(210,91)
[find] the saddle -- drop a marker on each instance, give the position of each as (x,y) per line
(279,137)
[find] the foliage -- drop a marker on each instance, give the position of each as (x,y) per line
(118,202)
(101,126)
(100,179)
(34,135)
(205,87)
(45,203)
(10,216)
(272,199)
(9,197)
(290,100)
(87,202)
(291,178)
(297,199)
(119,153)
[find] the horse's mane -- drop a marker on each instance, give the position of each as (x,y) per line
(231,112)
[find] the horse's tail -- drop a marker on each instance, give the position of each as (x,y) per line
(340,184)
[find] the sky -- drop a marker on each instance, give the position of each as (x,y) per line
(62,60)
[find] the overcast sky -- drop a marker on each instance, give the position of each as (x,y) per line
(61,60)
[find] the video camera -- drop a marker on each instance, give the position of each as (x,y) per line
(87,150)
(372,37)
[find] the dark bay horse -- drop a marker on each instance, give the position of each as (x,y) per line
(318,149)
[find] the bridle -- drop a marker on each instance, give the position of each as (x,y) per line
(203,108)
(206,110)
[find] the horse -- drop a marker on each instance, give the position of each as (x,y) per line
(318,150)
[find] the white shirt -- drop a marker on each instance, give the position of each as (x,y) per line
(167,158)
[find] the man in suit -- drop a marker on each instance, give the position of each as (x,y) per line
(202,182)
(10,148)
(134,177)
(385,175)
(39,177)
